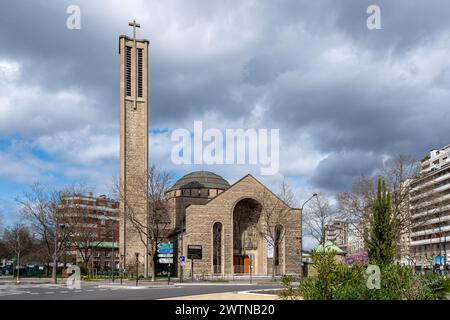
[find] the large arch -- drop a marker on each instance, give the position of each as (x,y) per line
(247,245)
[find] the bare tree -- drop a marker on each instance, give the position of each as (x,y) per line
(18,240)
(80,223)
(154,226)
(397,172)
(275,214)
(38,206)
(317,218)
(355,205)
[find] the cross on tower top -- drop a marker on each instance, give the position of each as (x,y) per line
(134,25)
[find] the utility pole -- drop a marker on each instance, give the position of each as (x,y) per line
(301,233)
(113,260)
(181,249)
(54,280)
(18,256)
(55,254)
(121,268)
(137,267)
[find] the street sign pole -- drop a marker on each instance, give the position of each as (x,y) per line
(181,273)
(168,274)
(192,270)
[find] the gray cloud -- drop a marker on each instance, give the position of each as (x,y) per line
(313,65)
(334,172)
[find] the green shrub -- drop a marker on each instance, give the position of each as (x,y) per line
(436,287)
(288,292)
(337,281)
(332,276)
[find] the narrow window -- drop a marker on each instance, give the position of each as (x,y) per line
(128,72)
(140,73)
(217,248)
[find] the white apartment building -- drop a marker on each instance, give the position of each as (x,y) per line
(336,231)
(430,210)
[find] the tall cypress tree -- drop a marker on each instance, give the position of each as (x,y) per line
(381,243)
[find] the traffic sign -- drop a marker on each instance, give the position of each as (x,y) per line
(165,260)
(165,250)
(165,245)
(194,251)
(165,255)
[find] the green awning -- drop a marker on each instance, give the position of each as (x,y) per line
(103,245)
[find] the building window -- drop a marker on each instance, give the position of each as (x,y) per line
(140,73)
(217,247)
(128,71)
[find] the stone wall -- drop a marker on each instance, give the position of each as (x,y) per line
(200,220)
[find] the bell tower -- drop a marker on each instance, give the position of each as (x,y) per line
(133,54)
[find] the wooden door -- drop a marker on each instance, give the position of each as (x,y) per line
(246,264)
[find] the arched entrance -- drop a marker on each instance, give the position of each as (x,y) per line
(246,238)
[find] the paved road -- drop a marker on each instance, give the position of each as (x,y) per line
(90,291)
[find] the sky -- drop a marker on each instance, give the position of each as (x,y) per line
(344,97)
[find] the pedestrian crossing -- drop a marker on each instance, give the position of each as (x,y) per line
(46,289)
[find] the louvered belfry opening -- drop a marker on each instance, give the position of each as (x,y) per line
(140,73)
(128,72)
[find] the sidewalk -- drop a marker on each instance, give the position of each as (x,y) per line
(241,295)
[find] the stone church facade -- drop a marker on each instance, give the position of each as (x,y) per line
(243,228)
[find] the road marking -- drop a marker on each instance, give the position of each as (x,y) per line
(77,291)
(49,292)
(90,290)
(34,293)
(64,291)
(9,293)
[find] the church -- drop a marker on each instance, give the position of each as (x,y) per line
(215,228)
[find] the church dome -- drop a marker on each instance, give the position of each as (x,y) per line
(200,180)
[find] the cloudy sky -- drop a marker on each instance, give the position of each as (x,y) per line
(344,97)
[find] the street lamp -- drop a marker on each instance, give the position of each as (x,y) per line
(55,253)
(301,233)
(113,258)
(121,267)
(137,267)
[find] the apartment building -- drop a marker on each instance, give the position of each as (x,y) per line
(336,231)
(430,211)
(90,226)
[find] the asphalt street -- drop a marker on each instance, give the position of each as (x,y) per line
(89,291)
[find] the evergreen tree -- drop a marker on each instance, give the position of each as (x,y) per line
(381,243)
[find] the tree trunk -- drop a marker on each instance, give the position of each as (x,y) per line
(154,266)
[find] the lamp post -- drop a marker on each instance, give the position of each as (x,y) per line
(55,254)
(113,258)
(136,254)
(301,233)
